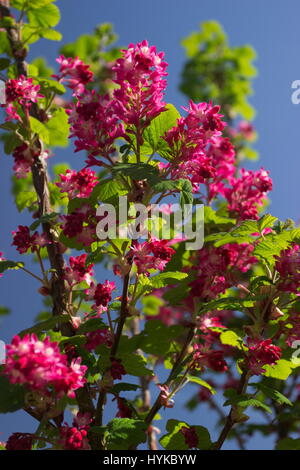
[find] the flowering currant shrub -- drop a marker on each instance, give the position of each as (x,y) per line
(117,349)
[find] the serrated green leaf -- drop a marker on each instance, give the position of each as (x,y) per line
(125,433)
(40,129)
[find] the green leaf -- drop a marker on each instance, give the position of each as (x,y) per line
(106,190)
(151,305)
(44,219)
(281,370)
(156,338)
(45,17)
(93,324)
(4,63)
(12,397)
(266,221)
(5,265)
(158,127)
(288,444)
(166,278)
(124,387)
(135,364)
(40,129)
(197,380)
(125,433)
(231,338)
(48,85)
(51,34)
(46,325)
(174,440)
(273,394)
(244,401)
(58,129)
(138,171)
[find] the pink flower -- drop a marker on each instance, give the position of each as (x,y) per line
(154,254)
(164,399)
(96,125)
(139,74)
(24,241)
(247,193)
(78,183)
(288,266)
(78,271)
(74,73)
(261,352)
(95,338)
(190,437)
(101,294)
(22,90)
(40,365)
(116,369)
(75,437)
(210,358)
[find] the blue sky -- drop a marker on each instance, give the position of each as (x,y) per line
(272,28)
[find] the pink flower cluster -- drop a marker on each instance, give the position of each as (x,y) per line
(74,73)
(77,183)
(164,399)
(95,338)
(23,240)
(247,193)
(288,266)
(75,437)
(153,254)
(117,369)
(78,272)
(41,366)
(81,225)
(20,91)
(95,125)
(188,143)
(101,294)
(139,74)
(261,353)
(206,357)
(216,268)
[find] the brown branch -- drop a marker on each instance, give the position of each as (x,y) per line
(41,186)
(157,404)
(230,420)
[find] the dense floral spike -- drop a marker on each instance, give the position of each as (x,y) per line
(101,294)
(139,74)
(23,240)
(95,338)
(75,437)
(40,365)
(77,183)
(117,369)
(95,125)
(247,193)
(288,266)
(261,353)
(22,91)
(154,254)
(78,271)
(218,268)
(74,73)
(188,143)
(203,357)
